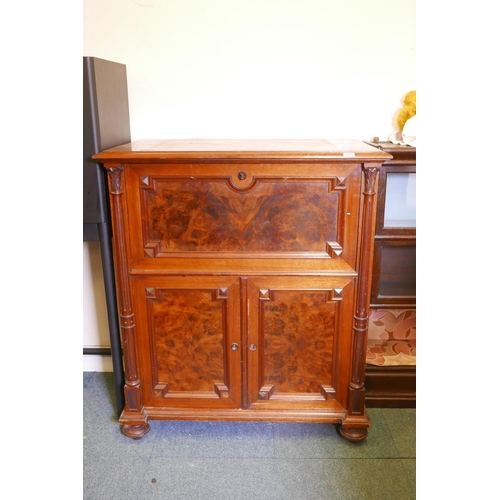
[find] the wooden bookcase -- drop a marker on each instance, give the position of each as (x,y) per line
(394,270)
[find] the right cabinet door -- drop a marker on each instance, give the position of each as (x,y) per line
(299,342)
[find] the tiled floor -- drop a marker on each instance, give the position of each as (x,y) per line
(222,460)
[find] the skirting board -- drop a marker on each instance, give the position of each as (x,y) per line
(97,363)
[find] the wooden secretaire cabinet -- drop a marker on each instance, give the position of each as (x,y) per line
(244,277)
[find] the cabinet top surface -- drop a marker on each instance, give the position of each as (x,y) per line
(243,149)
(401,154)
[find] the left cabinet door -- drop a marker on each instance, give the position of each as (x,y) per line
(188,341)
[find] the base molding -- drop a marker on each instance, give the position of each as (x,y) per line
(391,386)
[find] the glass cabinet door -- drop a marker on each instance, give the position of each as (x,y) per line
(394,259)
(400,200)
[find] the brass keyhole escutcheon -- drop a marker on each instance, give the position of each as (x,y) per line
(242,175)
(234,346)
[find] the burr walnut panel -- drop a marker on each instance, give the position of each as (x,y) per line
(188,333)
(298,341)
(211,216)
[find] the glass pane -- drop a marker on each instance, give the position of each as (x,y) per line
(400,200)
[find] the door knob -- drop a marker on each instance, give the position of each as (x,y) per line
(234,346)
(253,347)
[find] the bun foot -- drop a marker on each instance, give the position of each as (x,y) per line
(136,431)
(354,435)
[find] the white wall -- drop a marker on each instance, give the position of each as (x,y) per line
(253,69)
(95,317)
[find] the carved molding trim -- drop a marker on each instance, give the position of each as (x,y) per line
(222,391)
(115,180)
(336,294)
(221,293)
(152,249)
(328,392)
(339,182)
(333,249)
(370,179)
(266,391)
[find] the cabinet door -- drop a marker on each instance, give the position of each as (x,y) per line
(299,342)
(188,336)
(394,258)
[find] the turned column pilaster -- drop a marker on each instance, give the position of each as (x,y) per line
(132,417)
(354,427)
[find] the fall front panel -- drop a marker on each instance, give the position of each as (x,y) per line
(275,212)
(187,330)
